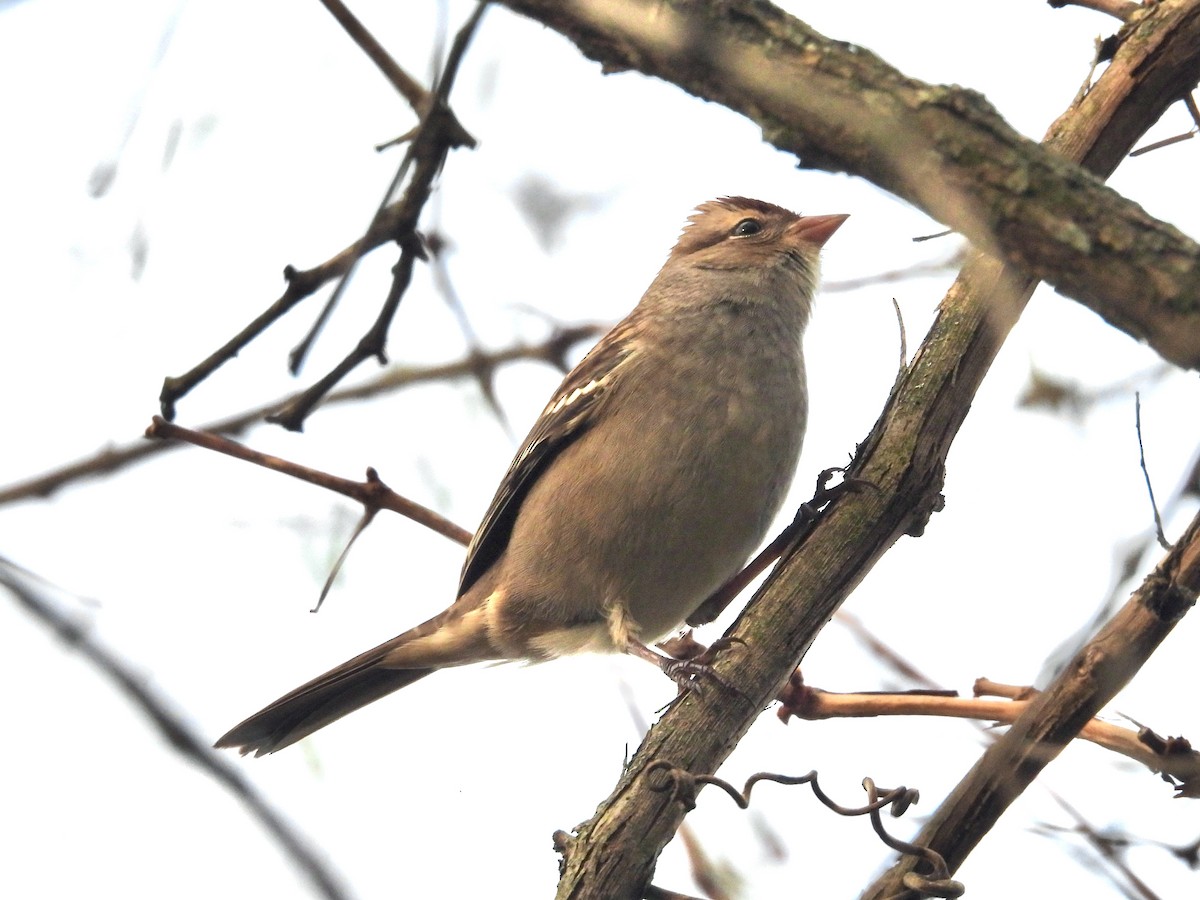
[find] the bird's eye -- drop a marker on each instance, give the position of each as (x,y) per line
(746,227)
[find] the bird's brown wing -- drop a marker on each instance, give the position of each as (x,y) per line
(373,674)
(566,417)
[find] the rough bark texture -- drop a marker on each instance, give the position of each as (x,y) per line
(1053,719)
(942,148)
(841,108)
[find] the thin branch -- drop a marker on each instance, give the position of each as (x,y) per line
(172,727)
(405,84)
(553,351)
(293,413)
(372,493)
(485,371)
(364,522)
(904,457)
(900,369)
(1189,102)
(429,148)
(883,651)
(1165,142)
(944,149)
(408,87)
(1054,717)
(409,241)
(1170,757)
(432,140)
(1107,851)
(1158,525)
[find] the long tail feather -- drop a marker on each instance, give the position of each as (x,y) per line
(325,699)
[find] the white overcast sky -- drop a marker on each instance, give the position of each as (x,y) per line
(200,571)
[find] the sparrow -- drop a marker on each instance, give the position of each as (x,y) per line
(650,477)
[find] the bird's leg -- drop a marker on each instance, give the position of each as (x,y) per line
(691,666)
(684,672)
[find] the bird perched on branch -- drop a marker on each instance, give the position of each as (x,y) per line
(647,481)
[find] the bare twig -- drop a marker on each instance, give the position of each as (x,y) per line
(1055,717)
(431,142)
(1190,102)
(172,727)
(1107,849)
(553,351)
(883,651)
(372,493)
(364,521)
(1158,525)
(428,151)
(615,851)
(1171,757)
(1165,142)
(842,110)
(293,413)
(900,369)
(484,371)
(418,98)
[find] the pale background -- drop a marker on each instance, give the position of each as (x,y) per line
(201,571)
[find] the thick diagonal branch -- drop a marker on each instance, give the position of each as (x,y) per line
(943,149)
(615,852)
(1056,716)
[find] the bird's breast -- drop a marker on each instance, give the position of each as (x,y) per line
(665,497)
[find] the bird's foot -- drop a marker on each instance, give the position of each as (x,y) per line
(826,494)
(690,663)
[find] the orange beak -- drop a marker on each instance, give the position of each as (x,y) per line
(816,229)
